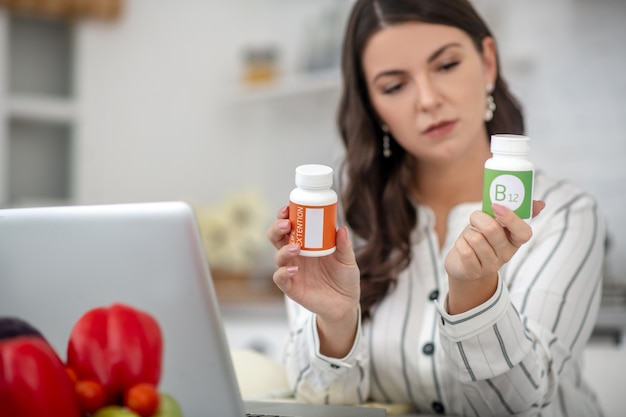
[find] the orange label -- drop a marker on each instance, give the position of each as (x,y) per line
(314,228)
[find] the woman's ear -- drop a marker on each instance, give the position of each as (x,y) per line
(490,60)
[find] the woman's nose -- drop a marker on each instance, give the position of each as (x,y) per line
(427,95)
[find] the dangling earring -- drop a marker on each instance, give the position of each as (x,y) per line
(491,104)
(386,146)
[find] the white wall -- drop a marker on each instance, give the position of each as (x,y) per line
(163,117)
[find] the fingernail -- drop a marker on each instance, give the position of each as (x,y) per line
(498,210)
(283,225)
(291,270)
(293,248)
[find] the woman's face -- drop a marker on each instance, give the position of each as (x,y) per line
(428,84)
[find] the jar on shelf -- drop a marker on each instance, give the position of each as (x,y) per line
(260,65)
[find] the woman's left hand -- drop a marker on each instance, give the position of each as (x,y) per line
(483,247)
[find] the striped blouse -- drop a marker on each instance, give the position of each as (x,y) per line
(519,353)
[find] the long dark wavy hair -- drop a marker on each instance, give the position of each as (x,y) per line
(376,197)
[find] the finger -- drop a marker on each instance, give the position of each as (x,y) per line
(283,277)
(286,255)
(283,213)
(519,231)
(492,231)
(467,256)
(344,251)
(482,249)
(538,206)
(278,233)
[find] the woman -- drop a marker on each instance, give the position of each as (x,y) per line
(439,305)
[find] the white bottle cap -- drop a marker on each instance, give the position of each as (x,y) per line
(314,176)
(510,144)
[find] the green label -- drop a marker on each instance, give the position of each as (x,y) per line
(512,189)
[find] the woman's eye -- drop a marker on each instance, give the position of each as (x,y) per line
(449,66)
(392,89)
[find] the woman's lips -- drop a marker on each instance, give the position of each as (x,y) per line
(440,129)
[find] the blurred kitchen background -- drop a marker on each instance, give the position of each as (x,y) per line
(216,102)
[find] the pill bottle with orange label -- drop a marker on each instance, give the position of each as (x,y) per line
(313,211)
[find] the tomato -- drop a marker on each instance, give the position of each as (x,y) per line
(143,399)
(90,394)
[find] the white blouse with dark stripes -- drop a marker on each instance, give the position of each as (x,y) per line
(519,353)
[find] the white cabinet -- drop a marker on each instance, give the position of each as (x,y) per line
(37,117)
(261,327)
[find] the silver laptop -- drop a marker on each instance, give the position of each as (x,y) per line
(58,262)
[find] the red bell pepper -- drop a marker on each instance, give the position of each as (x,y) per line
(118,346)
(33,380)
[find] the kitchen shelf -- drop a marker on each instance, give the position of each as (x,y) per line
(37,110)
(41,108)
(292,86)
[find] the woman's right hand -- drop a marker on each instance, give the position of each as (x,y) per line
(328,286)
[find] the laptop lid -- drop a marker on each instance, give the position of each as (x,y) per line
(56,263)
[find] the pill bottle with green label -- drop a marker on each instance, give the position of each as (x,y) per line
(509,176)
(313,211)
